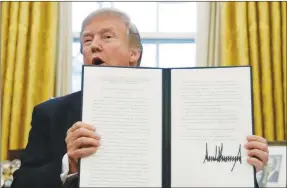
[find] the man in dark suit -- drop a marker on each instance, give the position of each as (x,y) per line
(58,138)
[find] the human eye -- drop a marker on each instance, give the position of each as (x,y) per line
(88,39)
(108,36)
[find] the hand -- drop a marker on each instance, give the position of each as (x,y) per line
(258,151)
(81,141)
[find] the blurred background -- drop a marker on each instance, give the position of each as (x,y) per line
(41,59)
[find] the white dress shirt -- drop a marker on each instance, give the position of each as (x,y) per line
(65,169)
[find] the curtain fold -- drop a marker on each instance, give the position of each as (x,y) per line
(208,34)
(64,51)
(1,81)
(28,56)
(254,33)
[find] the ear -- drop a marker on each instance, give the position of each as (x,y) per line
(134,56)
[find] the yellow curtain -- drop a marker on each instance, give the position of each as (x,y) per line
(254,33)
(28,47)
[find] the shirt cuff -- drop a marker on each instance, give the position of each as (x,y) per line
(65,169)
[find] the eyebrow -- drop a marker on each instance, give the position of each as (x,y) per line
(108,29)
(103,30)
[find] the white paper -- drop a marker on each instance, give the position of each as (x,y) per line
(210,106)
(125,107)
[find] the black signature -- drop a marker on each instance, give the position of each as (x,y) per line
(219,157)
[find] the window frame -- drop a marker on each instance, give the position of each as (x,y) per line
(156,38)
(153,37)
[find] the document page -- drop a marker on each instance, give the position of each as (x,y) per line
(211,117)
(125,106)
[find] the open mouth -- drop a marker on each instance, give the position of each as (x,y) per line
(97,61)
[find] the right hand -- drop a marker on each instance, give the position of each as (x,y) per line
(82,141)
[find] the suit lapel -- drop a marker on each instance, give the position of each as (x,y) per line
(68,115)
(75,111)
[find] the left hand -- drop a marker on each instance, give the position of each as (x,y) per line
(258,153)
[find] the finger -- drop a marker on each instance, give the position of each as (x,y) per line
(83,152)
(84,142)
(261,155)
(83,132)
(256,138)
(68,138)
(73,127)
(81,124)
(256,163)
(256,145)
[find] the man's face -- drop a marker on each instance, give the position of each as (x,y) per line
(105,42)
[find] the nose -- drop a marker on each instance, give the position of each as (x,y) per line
(96,45)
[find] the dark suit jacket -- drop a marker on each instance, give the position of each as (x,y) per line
(42,159)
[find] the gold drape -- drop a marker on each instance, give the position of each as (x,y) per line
(254,33)
(28,47)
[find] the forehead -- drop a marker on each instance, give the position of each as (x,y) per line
(105,22)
